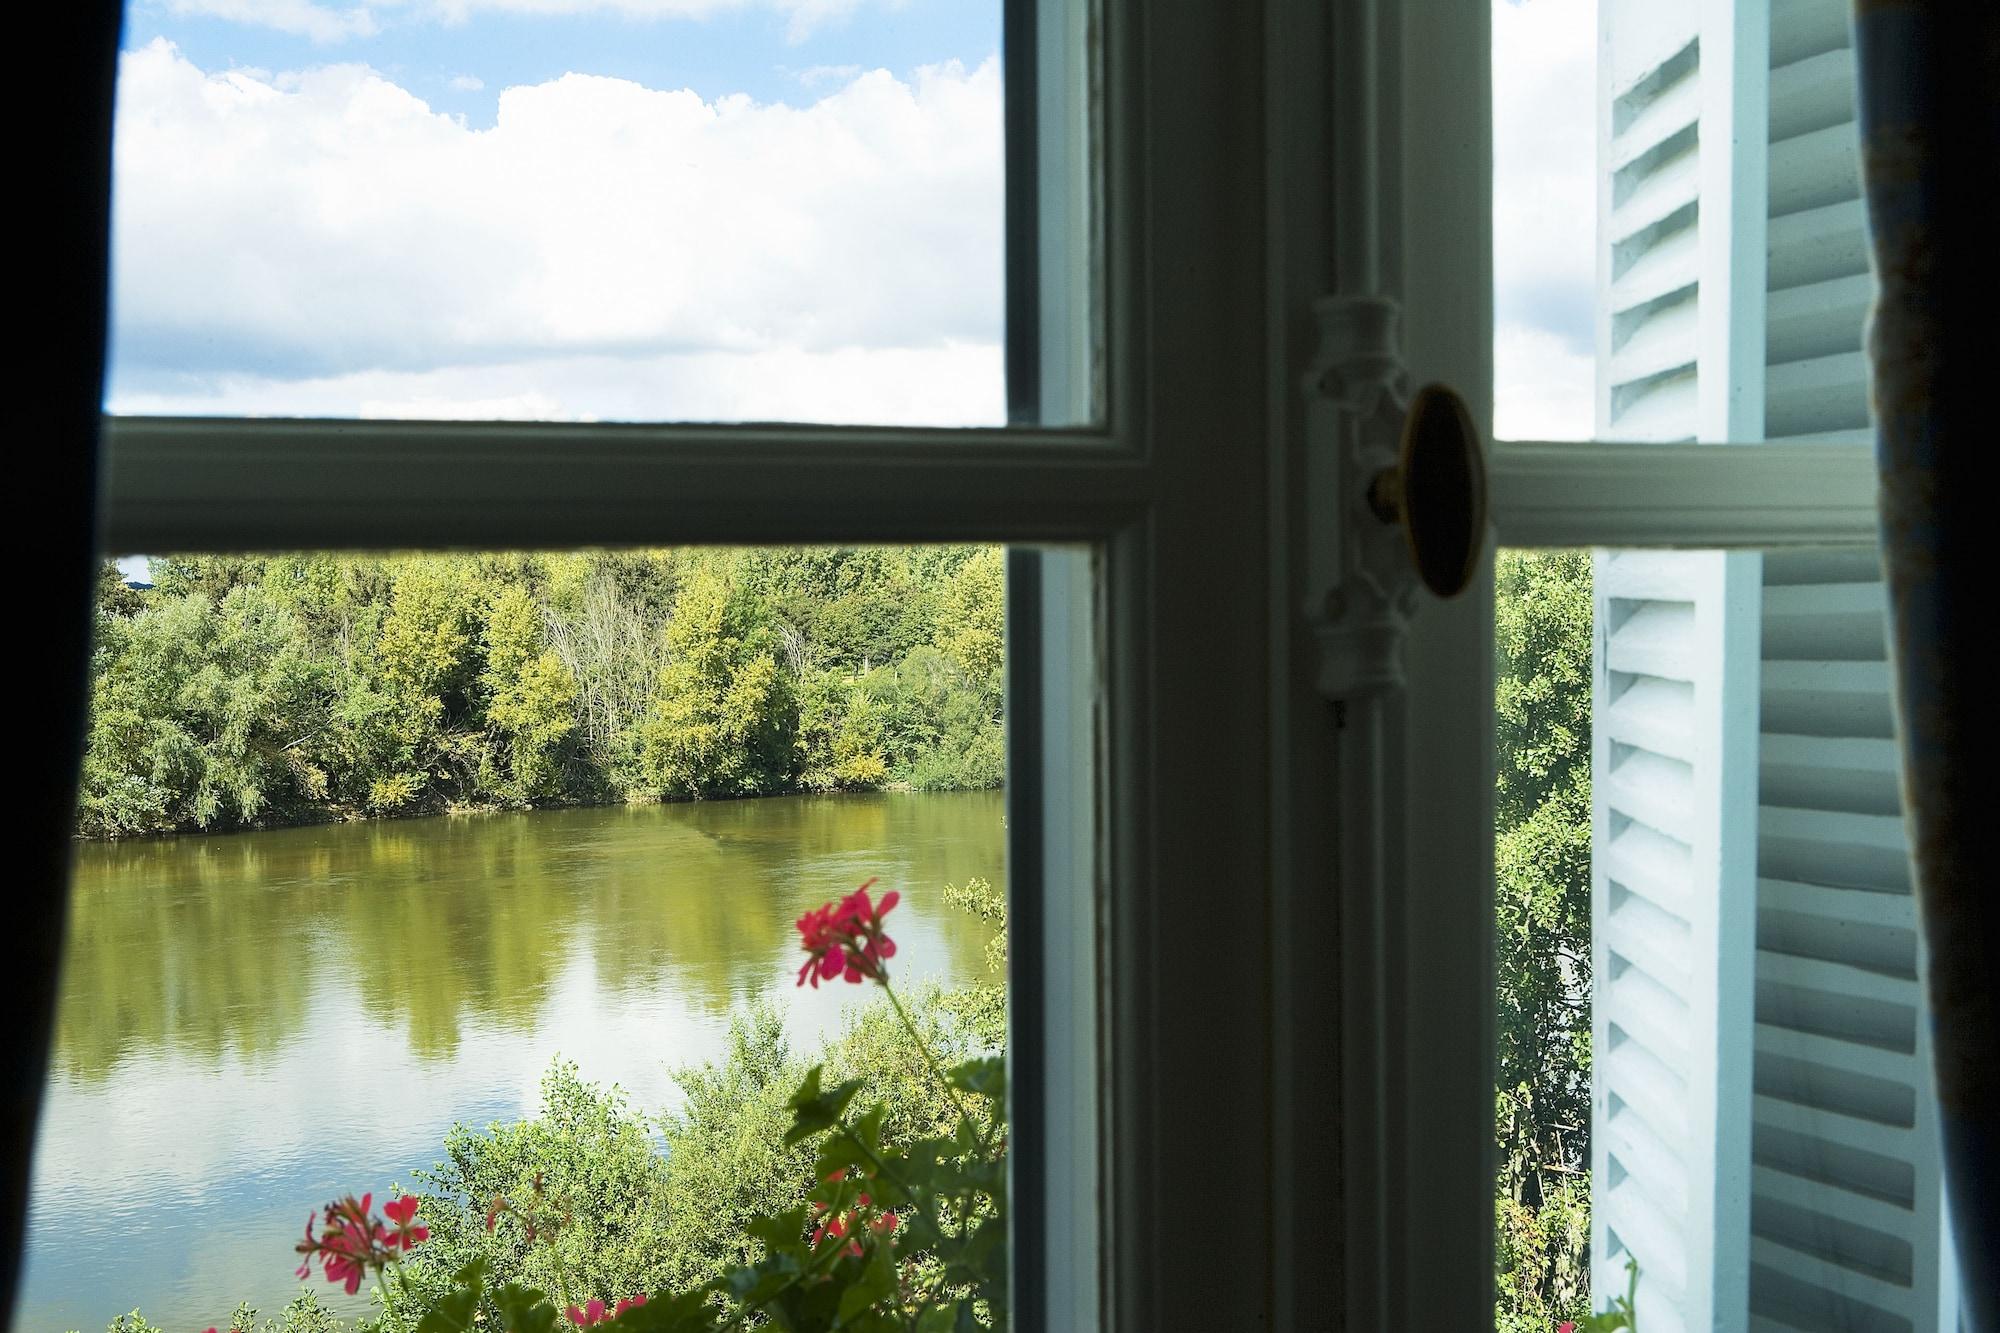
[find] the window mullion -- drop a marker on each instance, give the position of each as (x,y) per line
(223,484)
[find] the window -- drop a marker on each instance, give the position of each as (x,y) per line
(1271,764)
(1113,851)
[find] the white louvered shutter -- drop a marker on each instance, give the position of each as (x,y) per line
(1765,1134)
(1847,1229)
(1675,717)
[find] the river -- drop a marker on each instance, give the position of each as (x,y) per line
(251,1023)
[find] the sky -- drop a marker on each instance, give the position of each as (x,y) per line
(660,209)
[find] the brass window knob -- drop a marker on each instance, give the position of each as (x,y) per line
(1437,490)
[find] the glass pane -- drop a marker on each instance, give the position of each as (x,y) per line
(442,873)
(765,211)
(1714,1076)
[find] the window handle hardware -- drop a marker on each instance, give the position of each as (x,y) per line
(1399,492)
(1436,491)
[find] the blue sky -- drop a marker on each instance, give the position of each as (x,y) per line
(748,48)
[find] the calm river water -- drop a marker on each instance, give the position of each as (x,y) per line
(252,1023)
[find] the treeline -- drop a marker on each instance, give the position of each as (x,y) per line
(249,691)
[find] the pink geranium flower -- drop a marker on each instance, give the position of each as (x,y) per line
(846,940)
(352,1242)
(402,1212)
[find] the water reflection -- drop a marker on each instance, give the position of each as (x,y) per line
(218,992)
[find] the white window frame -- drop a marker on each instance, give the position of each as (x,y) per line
(1266,1071)
(1411,154)
(1158,792)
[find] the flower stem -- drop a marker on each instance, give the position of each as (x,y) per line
(923,1048)
(390,1275)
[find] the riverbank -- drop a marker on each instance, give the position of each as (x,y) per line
(353,816)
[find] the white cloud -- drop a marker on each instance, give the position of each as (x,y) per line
(322,21)
(1544,153)
(466,83)
(304,18)
(324,241)
(958,384)
(818,76)
(1543,387)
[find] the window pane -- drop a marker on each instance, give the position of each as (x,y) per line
(392,867)
(597,210)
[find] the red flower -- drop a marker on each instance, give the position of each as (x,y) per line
(401,1211)
(1566,1326)
(846,941)
(595,1313)
(352,1243)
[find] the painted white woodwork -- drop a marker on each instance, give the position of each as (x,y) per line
(1171,659)
(1691,496)
(1734,286)
(1672,908)
(1847,1230)
(1675,660)
(1404,680)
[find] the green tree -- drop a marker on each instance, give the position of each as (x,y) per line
(530,696)
(200,714)
(254,690)
(719,723)
(424,661)
(1542,924)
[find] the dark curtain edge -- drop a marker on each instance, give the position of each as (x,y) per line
(1929,106)
(63,207)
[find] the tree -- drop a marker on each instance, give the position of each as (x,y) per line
(530,695)
(1542,626)
(718,724)
(200,714)
(270,689)
(424,661)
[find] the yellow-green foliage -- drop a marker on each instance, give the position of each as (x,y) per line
(246,691)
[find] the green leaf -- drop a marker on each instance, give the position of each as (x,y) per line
(875,1283)
(986,1076)
(453,1312)
(815,1110)
(780,1232)
(686,1313)
(524,1310)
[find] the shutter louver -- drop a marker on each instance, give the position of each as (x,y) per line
(1846,1218)
(1675,702)
(1673,914)
(1765,1138)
